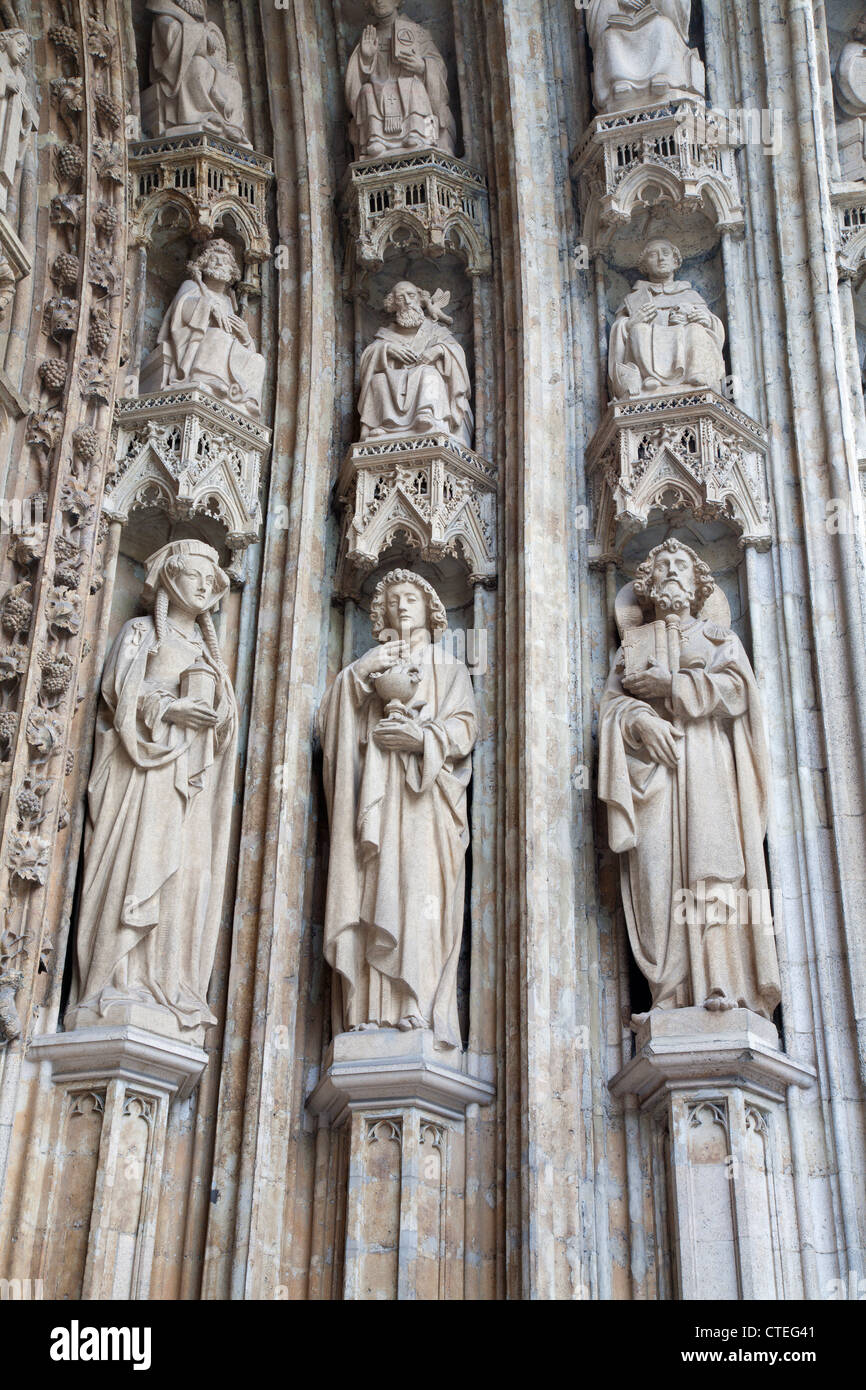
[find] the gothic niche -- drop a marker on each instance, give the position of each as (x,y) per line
(407,184)
(653,138)
(671,437)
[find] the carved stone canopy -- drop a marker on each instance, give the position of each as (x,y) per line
(678,155)
(434,492)
(694,450)
(188,455)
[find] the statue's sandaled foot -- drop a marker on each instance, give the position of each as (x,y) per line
(412,1021)
(719,1003)
(651,383)
(376,147)
(368,1027)
(638,1020)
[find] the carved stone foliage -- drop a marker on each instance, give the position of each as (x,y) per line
(53,550)
(205,181)
(159,808)
(397,728)
(189,455)
(683,769)
(435,493)
(679,155)
(695,451)
(429,201)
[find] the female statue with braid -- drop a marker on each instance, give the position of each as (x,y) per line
(159,808)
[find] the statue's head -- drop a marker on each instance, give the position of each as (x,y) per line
(403,603)
(216,261)
(659,259)
(405,303)
(673,578)
(188,573)
(15,43)
(383,9)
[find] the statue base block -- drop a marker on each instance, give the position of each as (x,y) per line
(400,1104)
(718,1093)
(152,1018)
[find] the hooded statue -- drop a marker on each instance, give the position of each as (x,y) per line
(159,807)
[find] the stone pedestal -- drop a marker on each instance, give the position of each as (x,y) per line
(426,199)
(430,488)
(189,455)
(402,1104)
(682,449)
(116,1084)
(677,153)
(715,1088)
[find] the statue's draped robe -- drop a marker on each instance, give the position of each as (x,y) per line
(656,47)
(391,104)
(418,399)
(399,833)
(717,795)
(675,354)
(193,90)
(156,844)
(198,353)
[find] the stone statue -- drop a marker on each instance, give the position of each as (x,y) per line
(397,728)
(641,54)
(194,87)
(397,87)
(159,806)
(17,112)
(664,337)
(683,770)
(203,341)
(851,96)
(414,378)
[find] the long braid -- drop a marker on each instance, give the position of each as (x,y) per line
(160,614)
(206,624)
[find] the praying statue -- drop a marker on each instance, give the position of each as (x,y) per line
(414,378)
(664,337)
(397,729)
(194,87)
(203,340)
(641,54)
(159,807)
(683,770)
(397,87)
(18,115)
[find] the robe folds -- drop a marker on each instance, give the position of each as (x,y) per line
(399,833)
(699,826)
(194,90)
(390,104)
(673,353)
(156,841)
(417,399)
(203,355)
(639,50)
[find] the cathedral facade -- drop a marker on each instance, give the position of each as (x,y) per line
(433,652)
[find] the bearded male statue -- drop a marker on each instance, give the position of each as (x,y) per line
(194,86)
(664,337)
(397,87)
(397,729)
(414,378)
(683,771)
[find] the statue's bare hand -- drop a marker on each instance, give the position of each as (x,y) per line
(655,681)
(240,329)
(381,658)
(412,63)
(399,734)
(659,739)
(645,314)
(369,43)
(190,714)
(403,354)
(699,315)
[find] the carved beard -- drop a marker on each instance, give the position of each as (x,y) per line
(673,598)
(192,7)
(409,318)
